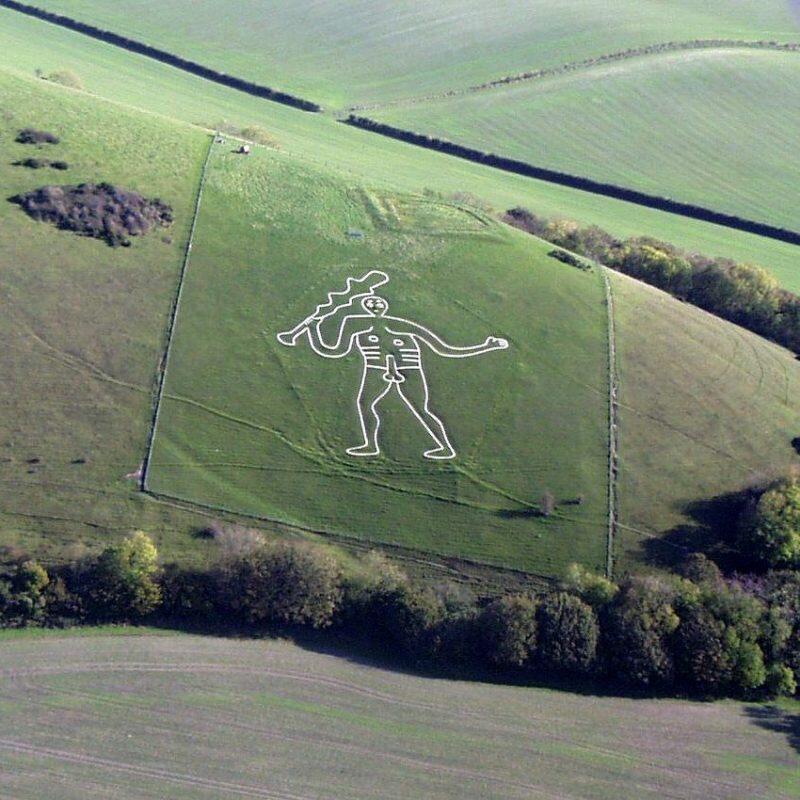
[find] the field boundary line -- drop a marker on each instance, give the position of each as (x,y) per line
(613,423)
(173,317)
(613,190)
(402,552)
(585,64)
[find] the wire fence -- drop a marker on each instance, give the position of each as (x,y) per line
(613,426)
(176,305)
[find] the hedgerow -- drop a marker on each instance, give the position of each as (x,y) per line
(713,636)
(742,293)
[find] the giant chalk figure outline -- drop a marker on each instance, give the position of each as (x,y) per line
(380,358)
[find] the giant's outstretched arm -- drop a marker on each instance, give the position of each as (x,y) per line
(348,330)
(442,348)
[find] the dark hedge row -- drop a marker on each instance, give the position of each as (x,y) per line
(742,293)
(166,58)
(695,634)
(574,181)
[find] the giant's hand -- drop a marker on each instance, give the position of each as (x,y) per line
(496,343)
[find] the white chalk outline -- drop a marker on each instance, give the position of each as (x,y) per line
(375,308)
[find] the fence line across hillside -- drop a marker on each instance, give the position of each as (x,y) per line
(613,424)
(162,371)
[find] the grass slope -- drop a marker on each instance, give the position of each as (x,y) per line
(82,323)
(188,717)
(27,44)
(252,426)
(706,409)
(708,127)
(341,52)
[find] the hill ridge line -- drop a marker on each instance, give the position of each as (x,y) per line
(586,64)
(590,185)
(184,64)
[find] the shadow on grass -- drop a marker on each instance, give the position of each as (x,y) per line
(773,718)
(364,653)
(712,531)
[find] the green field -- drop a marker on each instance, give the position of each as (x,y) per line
(251,426)
(690,385)
(189,717)
(258,429)
(341,53)
(705,406)
(708,127)
(27,44)
(83,324)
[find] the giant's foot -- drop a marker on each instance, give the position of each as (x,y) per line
(364,450)
(441,453)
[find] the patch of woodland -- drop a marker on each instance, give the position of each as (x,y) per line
(98,210)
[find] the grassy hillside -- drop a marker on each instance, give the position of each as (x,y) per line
(26,44)
(83,324)
(708,127)
(706,409)
(189,717)
(343,52)
(250,425)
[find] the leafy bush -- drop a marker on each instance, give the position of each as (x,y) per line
(122,584)
(780,681)
(770,531)
(568,634)
(594,589)
(295,584)
(32,136)
(101,211)
(637,632)
(23,596)
(508,628)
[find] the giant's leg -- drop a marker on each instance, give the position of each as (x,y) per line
(414,391)
(372,390)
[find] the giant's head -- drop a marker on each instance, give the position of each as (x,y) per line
(375,306)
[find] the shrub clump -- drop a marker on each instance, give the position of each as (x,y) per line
(101,211)
(32,136)
(66,77)
(41,163)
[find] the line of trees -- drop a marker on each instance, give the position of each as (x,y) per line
(164,57)
(742,293)
(693,633)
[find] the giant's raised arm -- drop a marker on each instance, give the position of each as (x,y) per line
(441,347)
(348,330)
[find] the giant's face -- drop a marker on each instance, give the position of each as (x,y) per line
(375,306)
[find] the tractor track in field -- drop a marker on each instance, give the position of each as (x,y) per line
(504,725)
(140,771)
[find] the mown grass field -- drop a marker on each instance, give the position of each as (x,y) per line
(250,425)
(190,717)
(341,52)
(27,44)
(83,324)
(710,127)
